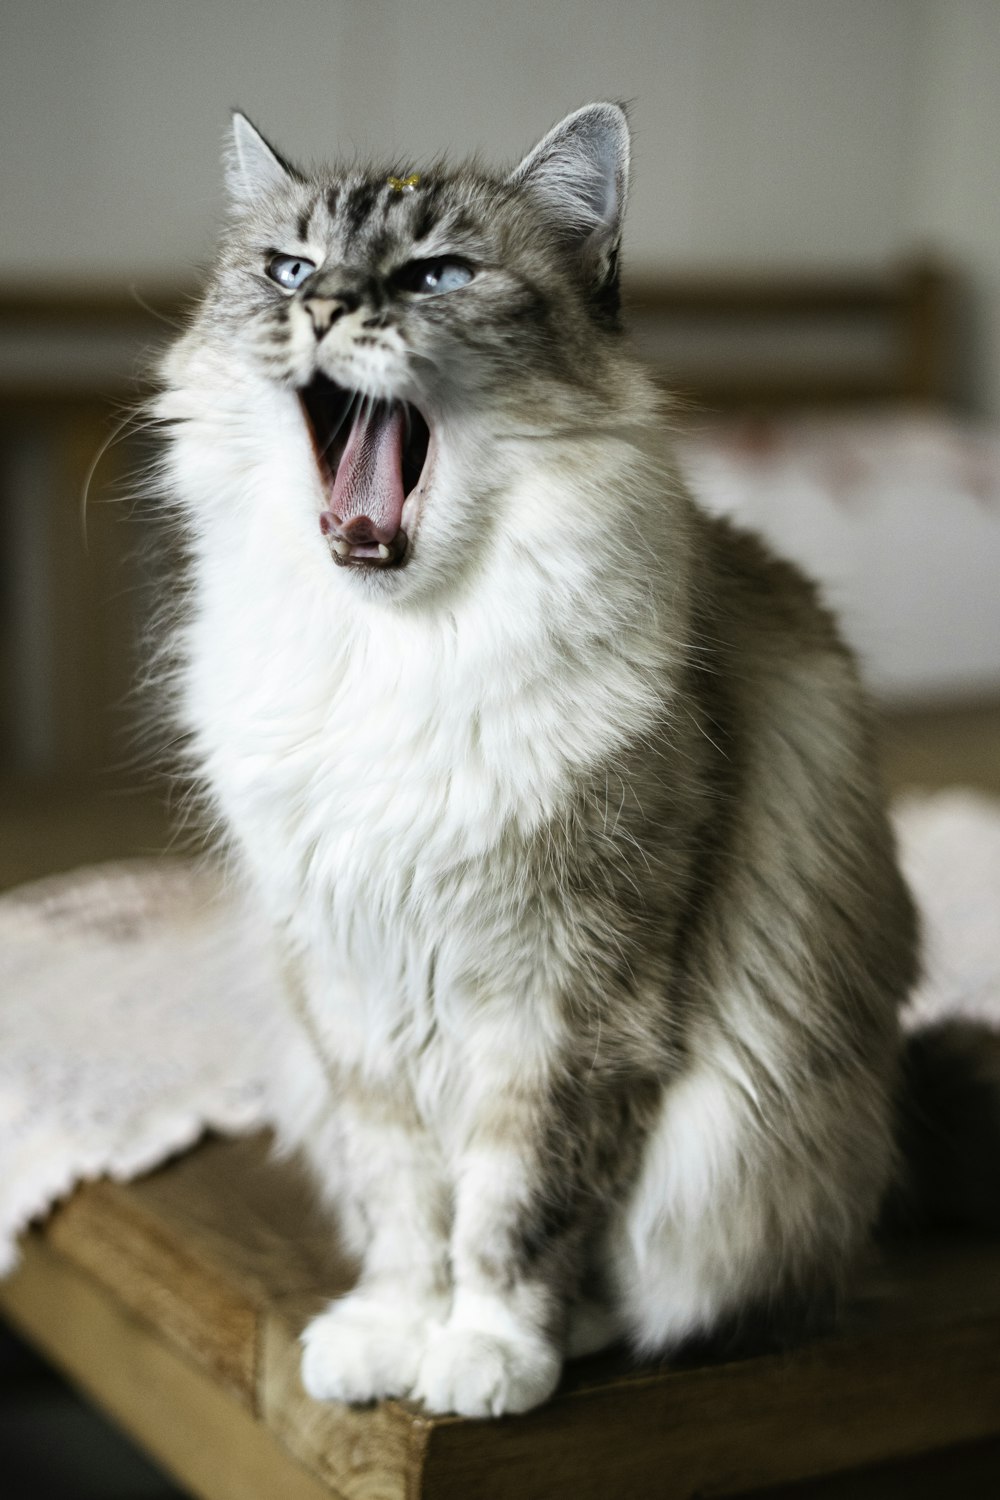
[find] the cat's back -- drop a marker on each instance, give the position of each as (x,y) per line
(773,647)
(764,600)
(806,810)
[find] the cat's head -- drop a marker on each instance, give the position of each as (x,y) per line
(419,318)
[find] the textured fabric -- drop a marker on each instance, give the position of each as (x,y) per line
(895,513)
(134,1001)
(950,849)
(137,1002)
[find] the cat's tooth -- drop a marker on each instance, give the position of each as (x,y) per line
(342,549)
(384,552)
(407,517)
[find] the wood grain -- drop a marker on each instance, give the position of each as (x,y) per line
(732,1429)
(174,1409)
(203,1248)
(210,1268)
(367,1454)
(164,1279)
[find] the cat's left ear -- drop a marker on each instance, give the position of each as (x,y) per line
(579,173)
(253,167)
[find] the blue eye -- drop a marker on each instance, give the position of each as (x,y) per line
(289,271)
(430,277)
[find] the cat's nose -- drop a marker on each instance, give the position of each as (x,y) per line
(324,312)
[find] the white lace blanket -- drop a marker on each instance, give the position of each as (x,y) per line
(137,1001)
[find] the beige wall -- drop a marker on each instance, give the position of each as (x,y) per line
(773,131)
(957,167)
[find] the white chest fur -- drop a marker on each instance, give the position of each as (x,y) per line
(387,770)
(383,775)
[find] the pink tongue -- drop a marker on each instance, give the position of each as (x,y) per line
(369,482)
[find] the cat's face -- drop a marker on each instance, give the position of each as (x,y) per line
(420,317)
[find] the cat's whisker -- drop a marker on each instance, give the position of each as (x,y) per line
(131,420)
(346,419)
(174,323)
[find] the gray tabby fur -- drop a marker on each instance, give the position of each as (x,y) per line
(569,828)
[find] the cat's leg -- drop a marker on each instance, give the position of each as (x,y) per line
(501,1348)
(381,1174)
(532,1173)
(394,1206)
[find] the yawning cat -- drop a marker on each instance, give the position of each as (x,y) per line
(558,794)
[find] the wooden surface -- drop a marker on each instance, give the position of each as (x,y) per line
(910,307)
(75,361)
(930,748)
(176,1302)
(50,824)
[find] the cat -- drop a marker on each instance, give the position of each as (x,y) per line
(559,794)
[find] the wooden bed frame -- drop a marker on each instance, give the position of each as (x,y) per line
(786,340)
(71,359)
(910,306)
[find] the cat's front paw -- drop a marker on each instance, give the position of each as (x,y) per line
(363,1348)
(480,1374)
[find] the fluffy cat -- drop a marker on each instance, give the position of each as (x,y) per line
(558,793)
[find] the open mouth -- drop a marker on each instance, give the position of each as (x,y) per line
(371,456)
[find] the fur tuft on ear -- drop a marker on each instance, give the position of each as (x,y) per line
(579,172)
(253,168)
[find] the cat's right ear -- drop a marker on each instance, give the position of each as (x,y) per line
(253,168)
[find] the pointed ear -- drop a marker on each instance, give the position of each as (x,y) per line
(579,172)
(253,168)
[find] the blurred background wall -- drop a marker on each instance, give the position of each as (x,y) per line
(771,136)
(767,131)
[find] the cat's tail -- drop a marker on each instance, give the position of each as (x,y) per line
(950,1129)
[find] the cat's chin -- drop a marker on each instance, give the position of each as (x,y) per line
(373,458)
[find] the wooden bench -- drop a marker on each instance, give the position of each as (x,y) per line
(175,1302)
